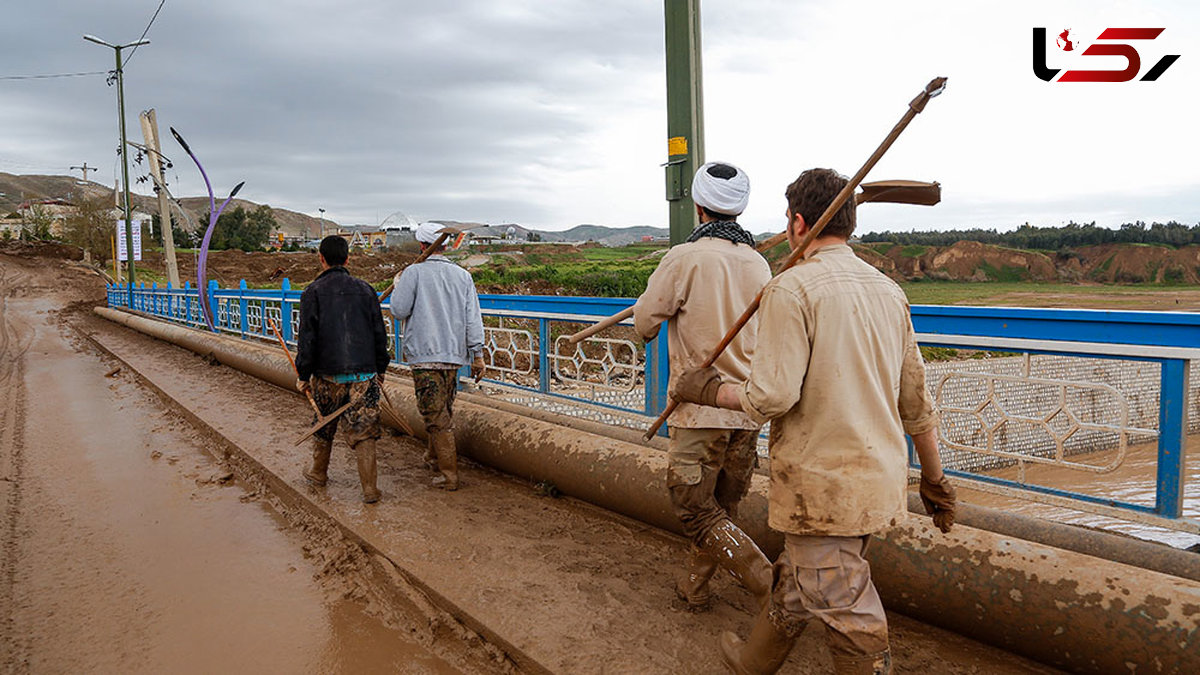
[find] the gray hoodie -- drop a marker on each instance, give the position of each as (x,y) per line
(438,300)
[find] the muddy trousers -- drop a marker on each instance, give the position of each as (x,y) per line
(435,389)
(708,474)
(822,578)
(360,426)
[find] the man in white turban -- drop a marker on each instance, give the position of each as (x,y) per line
(444,332)
(701,287)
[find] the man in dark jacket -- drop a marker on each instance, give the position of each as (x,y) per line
(341,358)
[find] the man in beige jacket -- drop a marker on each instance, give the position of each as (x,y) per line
(838,373)
(702,286)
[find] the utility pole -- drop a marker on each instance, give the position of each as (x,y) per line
(150,133)
(124,153)
(85,169)
(685,113)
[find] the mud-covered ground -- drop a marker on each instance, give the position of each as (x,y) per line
(128,546)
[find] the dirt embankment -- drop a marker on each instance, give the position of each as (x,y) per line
(973,261)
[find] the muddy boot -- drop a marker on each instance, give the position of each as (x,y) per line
(447,459)
(692,585)
(318,474)
(879,663)
(738,554)
(763,652)
(430,457)
(364,452)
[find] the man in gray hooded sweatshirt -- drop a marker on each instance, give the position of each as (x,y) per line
(444,332)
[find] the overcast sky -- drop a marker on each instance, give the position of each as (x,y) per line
(552,113)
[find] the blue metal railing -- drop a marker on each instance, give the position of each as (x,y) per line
(525,333)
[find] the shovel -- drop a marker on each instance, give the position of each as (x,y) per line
(891,191)
(322,420)
(935,87)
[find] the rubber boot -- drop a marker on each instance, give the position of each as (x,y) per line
(692,585)
(447,459)
(318,473)
(879,663)
(738,554)
(763,652)
(364,452)
(430,457)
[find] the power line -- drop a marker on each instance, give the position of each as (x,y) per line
(134,50)
(47,77)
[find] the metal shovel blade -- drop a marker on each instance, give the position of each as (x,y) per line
(900,192)
(322,421)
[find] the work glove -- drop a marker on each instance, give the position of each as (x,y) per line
(303,386)
(698,385)
(940,500)
(478,367)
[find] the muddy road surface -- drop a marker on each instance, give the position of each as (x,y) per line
(133,540)
(126,546)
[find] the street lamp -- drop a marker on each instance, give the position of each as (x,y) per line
(322,220)
(124,155)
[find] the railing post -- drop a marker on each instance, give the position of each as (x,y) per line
(397,340)
(212,305)
(154,299)
(170,301)
(1172,437)
(187,303)
(285,310)
(243,308)
(658,374)
(544,348)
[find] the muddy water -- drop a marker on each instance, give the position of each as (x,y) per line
(1133,482)
(122,559)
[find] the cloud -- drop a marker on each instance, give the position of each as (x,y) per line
(552,114)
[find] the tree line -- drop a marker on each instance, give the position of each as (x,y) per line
(1067,236)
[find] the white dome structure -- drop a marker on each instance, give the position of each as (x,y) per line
(399,221)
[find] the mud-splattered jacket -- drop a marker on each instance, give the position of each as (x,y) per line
(341,327)
(838,374)
(702,287)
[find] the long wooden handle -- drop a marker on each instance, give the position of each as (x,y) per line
(429,250)
(283,343)
(601,325)
(915,106)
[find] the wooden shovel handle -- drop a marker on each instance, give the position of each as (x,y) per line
(288,352)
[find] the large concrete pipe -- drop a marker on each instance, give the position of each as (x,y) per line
(1082,612)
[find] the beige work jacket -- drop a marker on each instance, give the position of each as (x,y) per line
(703,287)
(838,374)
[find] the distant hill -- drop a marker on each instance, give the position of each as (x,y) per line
(609,236)
(17,188)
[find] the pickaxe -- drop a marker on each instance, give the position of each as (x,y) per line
(443,234)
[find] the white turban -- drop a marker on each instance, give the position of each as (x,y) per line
(722,188)
(427,232)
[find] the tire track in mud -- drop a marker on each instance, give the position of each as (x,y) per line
(12,391)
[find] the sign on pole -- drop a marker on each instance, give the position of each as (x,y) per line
(122,253)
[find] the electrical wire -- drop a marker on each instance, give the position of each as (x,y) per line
(134,50)
(47,77)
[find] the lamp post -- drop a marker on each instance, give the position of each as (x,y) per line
(124,155)
(322,219)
